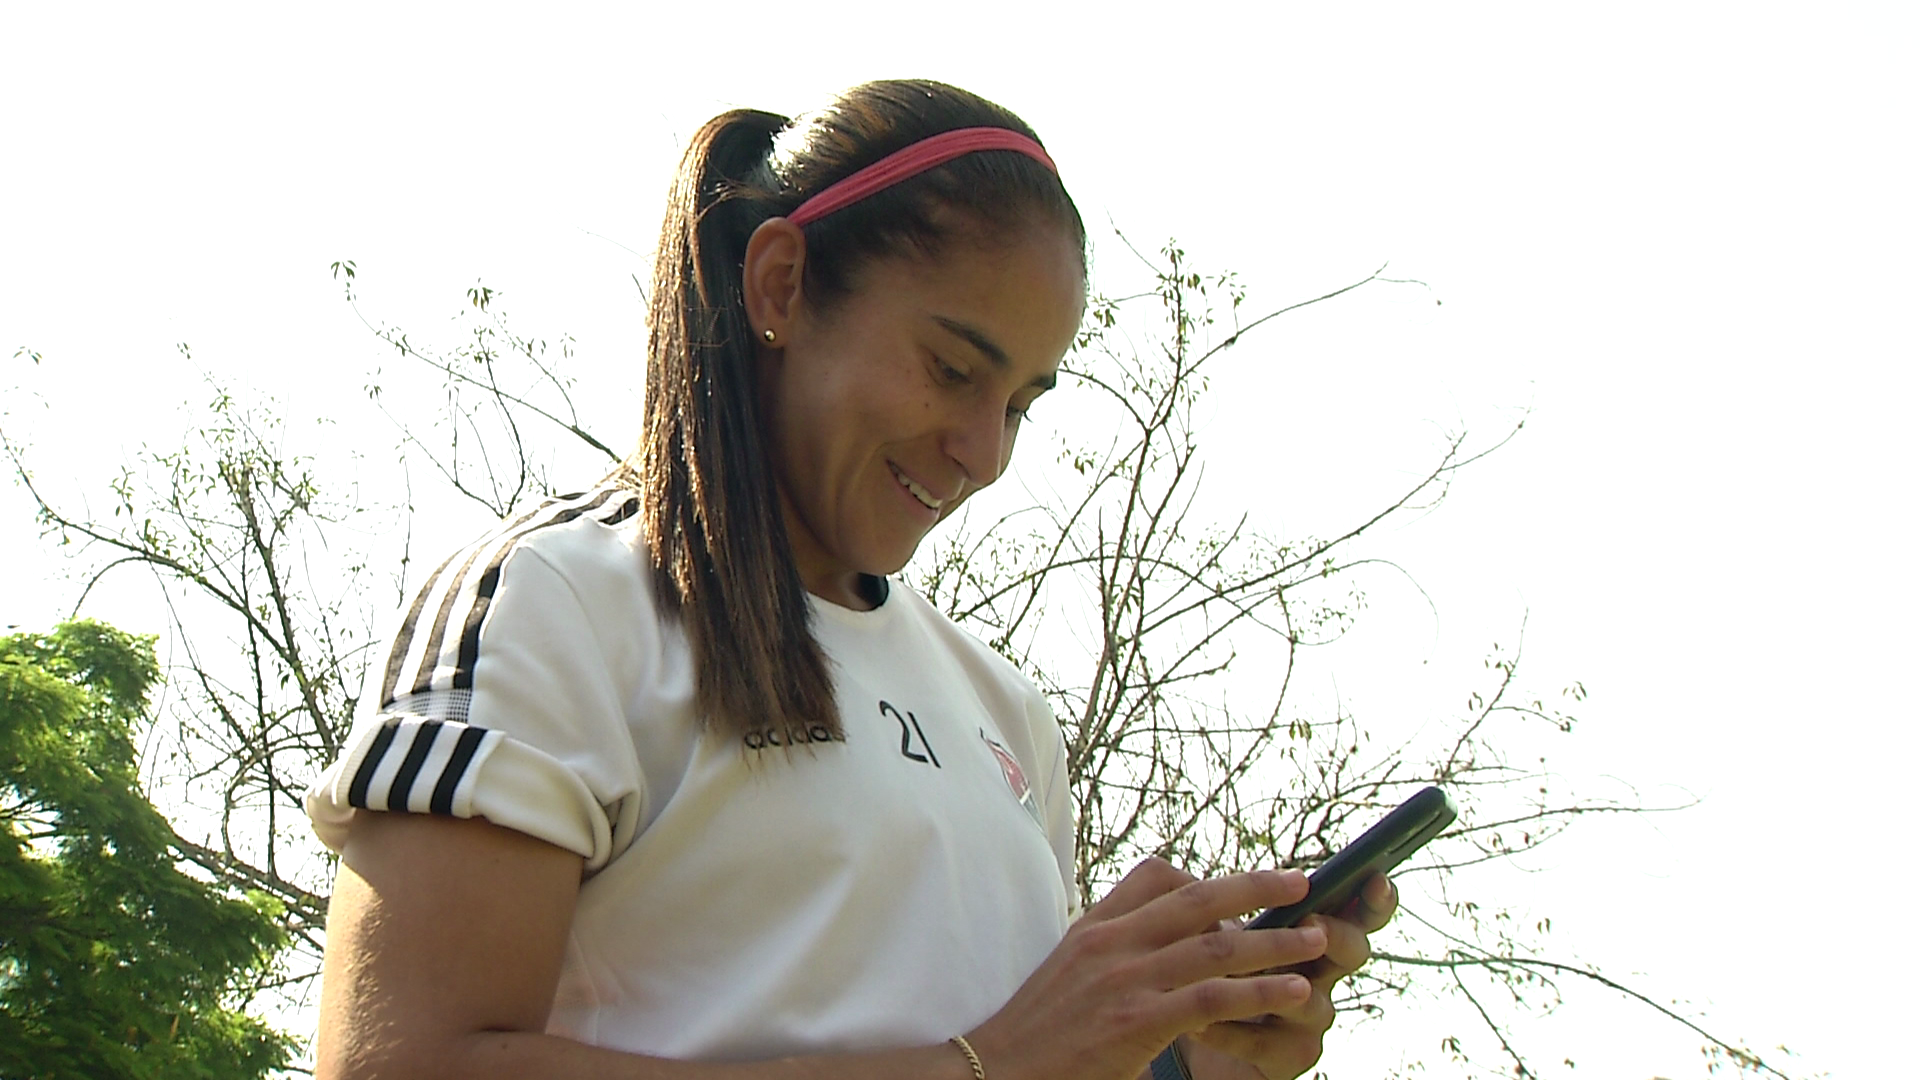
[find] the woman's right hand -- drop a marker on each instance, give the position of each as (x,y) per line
(1147,963)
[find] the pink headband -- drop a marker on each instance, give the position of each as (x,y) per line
(915,159)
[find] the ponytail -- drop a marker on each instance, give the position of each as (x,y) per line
(714,527)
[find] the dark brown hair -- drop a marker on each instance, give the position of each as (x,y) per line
(712,512)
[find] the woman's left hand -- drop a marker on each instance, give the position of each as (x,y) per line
(1287,1044)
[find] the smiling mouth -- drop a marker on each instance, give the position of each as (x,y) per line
(926,497)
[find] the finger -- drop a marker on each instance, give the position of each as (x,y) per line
(1236,952)
(1149,880)
(1275,1046)
(1314,1011)
(1378,899)
(1270,1042)
(1198,907)
(1246,1040)
(1347,949)
(1214,1001)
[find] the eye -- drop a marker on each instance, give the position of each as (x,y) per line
(948,374)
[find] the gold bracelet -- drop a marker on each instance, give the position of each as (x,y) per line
(973,1059)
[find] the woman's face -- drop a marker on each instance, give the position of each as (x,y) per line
(893,404)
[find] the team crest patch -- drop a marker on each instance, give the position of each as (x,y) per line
(1015,776)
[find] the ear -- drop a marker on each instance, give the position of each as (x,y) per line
(771,277)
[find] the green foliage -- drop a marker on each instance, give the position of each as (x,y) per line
(113,963)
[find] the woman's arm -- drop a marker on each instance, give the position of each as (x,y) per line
(446,936)
(444,944)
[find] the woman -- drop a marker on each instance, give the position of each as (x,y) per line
(680,785)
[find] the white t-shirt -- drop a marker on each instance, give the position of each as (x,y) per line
(743,898)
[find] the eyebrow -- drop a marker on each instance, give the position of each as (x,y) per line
(991,349)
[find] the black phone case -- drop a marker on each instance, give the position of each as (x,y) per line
(1401,833)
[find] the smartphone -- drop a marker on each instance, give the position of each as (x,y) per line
(1401,833)
(1332,887)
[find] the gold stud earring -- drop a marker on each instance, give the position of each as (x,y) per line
(768,334)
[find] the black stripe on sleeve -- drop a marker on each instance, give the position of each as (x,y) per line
(489,582)
(627,510)
(470,634)
(402,642)
(430,659)
(463,752)
(506,539)
(410,766)
(436,638)
(363,776)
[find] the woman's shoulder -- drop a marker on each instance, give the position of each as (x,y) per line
(583,535)
(590,539)
(580,552)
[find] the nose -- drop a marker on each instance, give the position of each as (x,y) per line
(980,441)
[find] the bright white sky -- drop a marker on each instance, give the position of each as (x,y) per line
(1682,232)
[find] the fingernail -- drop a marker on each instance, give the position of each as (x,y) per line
(1297,985)
(1313,937)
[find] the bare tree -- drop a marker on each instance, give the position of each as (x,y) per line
(1132,610)
(1123,600)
